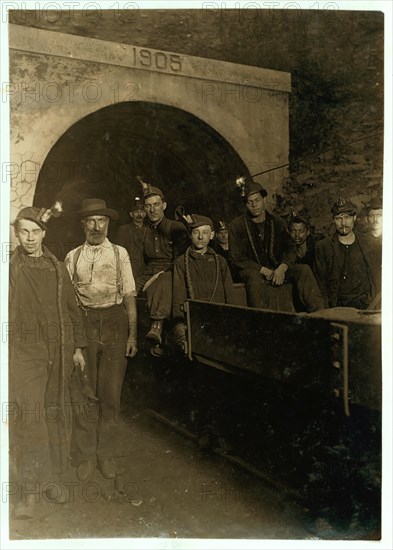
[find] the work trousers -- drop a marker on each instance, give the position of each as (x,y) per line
(96,422)
(39,446)
(158,295)
(299,275)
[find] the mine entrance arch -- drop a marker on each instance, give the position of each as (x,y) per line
(59,80)
(102,154)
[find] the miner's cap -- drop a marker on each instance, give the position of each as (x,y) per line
(31,213)
(152,191)
(342,206)
(198,220)
(375,204)
(221,226)
(297,217)
(136,205)
(252,187)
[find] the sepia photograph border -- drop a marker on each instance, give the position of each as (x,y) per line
(387,303)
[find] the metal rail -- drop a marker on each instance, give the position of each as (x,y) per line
(279,486)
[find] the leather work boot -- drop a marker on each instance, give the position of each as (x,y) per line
(24,509)
(55,493)
(85,470)
(155,331)
(158,351)
(108,468)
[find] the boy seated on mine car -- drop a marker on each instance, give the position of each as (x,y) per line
(200,273)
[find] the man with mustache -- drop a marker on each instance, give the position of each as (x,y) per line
(374,219)
(105,288)
(343,265)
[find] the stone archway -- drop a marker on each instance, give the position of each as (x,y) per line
(59,79)
(102,154)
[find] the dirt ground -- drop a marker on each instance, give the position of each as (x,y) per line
(167,488)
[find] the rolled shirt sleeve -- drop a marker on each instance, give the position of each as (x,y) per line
(126,273)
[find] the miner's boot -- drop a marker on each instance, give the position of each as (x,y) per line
(155,331)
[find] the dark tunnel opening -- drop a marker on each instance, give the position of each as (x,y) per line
(102,154)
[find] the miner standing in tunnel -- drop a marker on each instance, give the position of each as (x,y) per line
(164,240)
(105,288)
(46,337)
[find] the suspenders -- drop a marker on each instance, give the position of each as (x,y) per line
(119,284)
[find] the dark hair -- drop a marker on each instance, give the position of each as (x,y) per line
(153,195)
(297,219)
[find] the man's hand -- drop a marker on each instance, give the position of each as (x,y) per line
(78,359)
(266,273)
(131,348)
(130,305)
(279,275)
(179,334)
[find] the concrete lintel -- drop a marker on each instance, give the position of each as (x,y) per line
(58,44)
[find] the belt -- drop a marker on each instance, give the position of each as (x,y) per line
(107,308)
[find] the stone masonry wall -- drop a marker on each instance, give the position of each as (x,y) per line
(336,62)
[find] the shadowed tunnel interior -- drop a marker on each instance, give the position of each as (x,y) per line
(102,154)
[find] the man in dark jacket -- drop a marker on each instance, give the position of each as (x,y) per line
(263,254)
(342,262)
(164,240)
(374,225)
(130,236)
(45,345)
(200,273)
(221,236)
(220,244)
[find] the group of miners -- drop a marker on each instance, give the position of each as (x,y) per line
(262,251)
(74,325)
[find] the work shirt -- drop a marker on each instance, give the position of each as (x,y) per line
(131,238)
(376,260)
(96,271)
(354,282)
(305,252)
(163,242)
(328,269)
(253,245)
(203,274)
